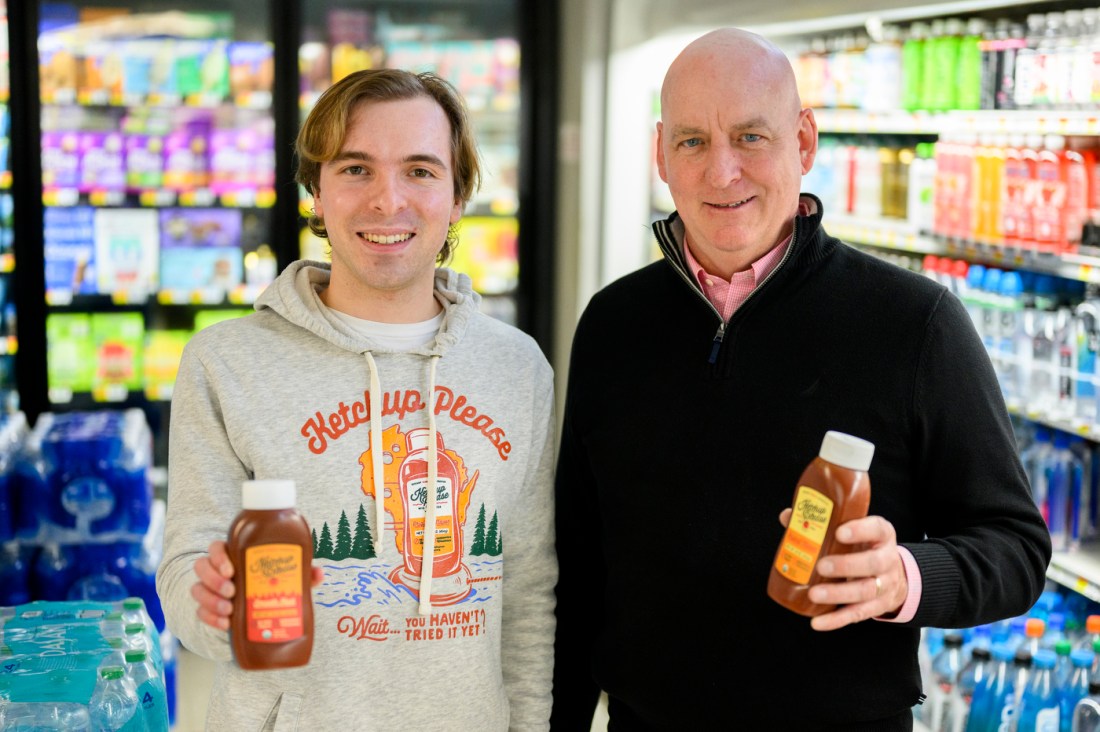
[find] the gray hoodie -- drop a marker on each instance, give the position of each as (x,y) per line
(286,393)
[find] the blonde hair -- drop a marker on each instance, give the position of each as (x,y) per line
(322,135)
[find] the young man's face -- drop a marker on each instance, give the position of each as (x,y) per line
(388,199)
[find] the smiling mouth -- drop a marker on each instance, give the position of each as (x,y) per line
(734,204)
(384,239)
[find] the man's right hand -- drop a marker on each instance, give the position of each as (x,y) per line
(214,590)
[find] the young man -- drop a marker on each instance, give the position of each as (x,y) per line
(355,381)
(757,334)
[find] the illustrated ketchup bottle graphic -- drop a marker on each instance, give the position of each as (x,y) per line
(415,492)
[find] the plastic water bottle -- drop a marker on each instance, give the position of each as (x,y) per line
(1092,632)
(945,672)
(1087,378)
(34,716)
(114,700)
(1010,309)
(14,582)
(1086,715)
(973,675)
(990,696)
(1063,666)
(1039,710)
(1064,497)
(1036,459)
(150,689)
(1077,688)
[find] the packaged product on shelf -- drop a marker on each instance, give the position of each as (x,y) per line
(102,166)
(84,476)
(144,162)
(251,72)
(119,339)
(127,248)
(186,156)
(60,160)
(99,73)
(201,250)
(70,355)
(13,430)
(97,681)
(163,351)
(69,250)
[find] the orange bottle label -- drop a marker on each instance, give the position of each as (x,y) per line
(273,592)
(805,534)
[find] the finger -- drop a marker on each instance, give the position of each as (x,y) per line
(865,589)
(214,610)
(872,530)
(219,558)
(847,615)
(785,517)
(870,563)
(212,579)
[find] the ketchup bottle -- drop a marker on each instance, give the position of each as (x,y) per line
(834,488)
(271,548)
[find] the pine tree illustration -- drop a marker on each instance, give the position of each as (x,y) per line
(362,544)
(343,537)
(492,541)
(478,545)
(324,548)
(314,532)
(500,545)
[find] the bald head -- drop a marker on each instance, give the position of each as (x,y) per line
(737,56)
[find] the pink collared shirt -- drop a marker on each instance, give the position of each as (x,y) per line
(727,296)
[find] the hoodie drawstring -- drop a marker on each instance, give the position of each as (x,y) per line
(427,558)
(376,455)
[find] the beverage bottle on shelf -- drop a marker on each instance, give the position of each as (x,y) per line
(930,66)
(868,182)
(946,65)
(149,688)
(991,47)
(1039,708)
(990,328)
(972,676)
(961,219)
(1048,217)
(1010,48)
(1017,189)
(1039,323)
(1087,378)
(921,188)
(912,66)
(1081,73)
(1076,687)
(1065,344)
(1010,323)
(972,294)
(54,571)
(1079,163)
(1063,665)
(14,580)
(1086,715)
(958,272)
(1036,459)
(969,73)
(883,66)
(1048,87)
(946,666)
(1034,629)
(1089,458)
(1066,49)
(114,700)
(1029,68)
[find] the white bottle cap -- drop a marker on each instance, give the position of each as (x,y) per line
(847,451)
(267,495)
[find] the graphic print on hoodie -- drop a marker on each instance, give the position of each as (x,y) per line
(458,576)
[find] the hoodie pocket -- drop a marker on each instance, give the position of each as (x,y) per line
(284,715)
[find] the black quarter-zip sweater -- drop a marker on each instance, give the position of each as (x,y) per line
(677,457)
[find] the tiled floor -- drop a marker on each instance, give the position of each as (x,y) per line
(195,677)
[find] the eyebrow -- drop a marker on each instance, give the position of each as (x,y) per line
(427,158)
(753,123)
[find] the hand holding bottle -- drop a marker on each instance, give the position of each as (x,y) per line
(874,577)
(214,590)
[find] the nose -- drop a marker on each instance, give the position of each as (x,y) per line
(723,165)
(387,195)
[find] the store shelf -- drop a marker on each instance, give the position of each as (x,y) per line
(1079,571)
(1047,121)
(902,236)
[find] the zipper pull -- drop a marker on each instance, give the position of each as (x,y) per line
(717,344)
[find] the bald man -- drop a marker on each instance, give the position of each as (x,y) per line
(700,387)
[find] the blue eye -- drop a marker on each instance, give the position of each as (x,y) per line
(751,137)
(692,142)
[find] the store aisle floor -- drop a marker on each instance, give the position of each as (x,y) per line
(196,676)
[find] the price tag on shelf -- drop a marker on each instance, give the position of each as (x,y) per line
(12,344)
(265,198)
(60,394)
(59,297)
(7,262)
(106,198)
(157,198)
(199,197)
(172,297)
(110,393)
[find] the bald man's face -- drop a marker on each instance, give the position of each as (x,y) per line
(733,146)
